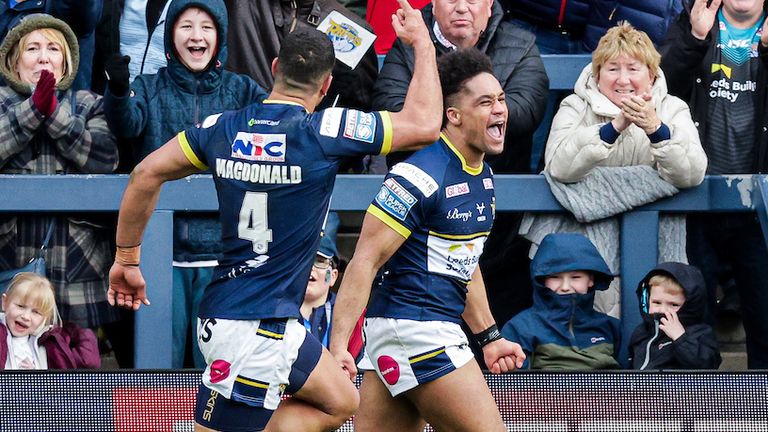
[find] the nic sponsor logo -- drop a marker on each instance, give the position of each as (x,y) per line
(259,147)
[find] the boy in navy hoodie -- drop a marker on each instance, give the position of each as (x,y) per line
(673,334)
(562,330)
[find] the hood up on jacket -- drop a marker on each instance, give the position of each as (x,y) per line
(692,281)
(586,88)
(209,79)
(561,252)
(27,25)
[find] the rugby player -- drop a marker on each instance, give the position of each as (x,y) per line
(274,167)
(426,227)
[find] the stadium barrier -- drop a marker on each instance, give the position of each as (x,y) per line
(163,401)
(102,193)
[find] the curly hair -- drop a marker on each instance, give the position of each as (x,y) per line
(627,40)
(458,67)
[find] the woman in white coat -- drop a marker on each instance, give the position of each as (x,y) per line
(621,115)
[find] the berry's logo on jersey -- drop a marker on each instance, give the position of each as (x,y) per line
(456,190)
(395,199)
(259,147)
(360,126)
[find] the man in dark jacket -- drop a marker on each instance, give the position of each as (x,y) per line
(518,67)
(716,59)
(516,64)
(673,334)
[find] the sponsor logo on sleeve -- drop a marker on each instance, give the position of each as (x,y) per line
(329,126)
(423,181)
(360,126)
(456,190)
(211,120)
(395,199)
(259,147)
(488,183)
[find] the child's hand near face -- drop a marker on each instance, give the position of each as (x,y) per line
(671,326)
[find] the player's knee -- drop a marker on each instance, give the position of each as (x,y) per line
(345,406)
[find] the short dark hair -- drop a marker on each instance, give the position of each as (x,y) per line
(306,57)
(458,67)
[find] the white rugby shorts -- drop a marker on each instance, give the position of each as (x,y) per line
(250,361)
(406,353)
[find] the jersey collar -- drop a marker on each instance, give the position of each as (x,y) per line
(468,169)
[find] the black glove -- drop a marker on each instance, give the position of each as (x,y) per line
(117,74)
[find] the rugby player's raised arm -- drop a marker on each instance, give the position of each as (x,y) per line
(418,123)
(377,243)
(126,284)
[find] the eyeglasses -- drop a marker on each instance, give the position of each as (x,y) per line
(322,263)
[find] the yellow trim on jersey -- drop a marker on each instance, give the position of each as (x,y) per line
(460,236)
(189,153)
(251,383)
(268,333)
(464,166)
(386,124)
(427,356)
(389,220)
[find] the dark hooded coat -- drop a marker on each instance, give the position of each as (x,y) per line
(697,348)
(564,331)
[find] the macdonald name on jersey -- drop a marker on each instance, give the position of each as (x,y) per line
(258,173)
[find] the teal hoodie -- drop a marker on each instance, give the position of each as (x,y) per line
(564,331)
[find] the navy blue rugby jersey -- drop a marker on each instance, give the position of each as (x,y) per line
(445,210)
(274,166)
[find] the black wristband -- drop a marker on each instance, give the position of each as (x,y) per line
(488,335)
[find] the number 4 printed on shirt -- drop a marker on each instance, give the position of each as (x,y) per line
(253,221)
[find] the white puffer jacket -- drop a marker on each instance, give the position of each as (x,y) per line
(574,146)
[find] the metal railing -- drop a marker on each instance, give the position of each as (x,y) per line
(102,193)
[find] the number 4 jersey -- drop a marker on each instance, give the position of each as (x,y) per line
(274,166)
(445,210)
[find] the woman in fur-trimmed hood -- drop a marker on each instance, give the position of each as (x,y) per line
(47,128)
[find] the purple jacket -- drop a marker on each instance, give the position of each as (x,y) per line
(66,347)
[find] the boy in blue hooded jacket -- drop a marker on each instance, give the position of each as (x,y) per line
(562,330)
(155,107)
